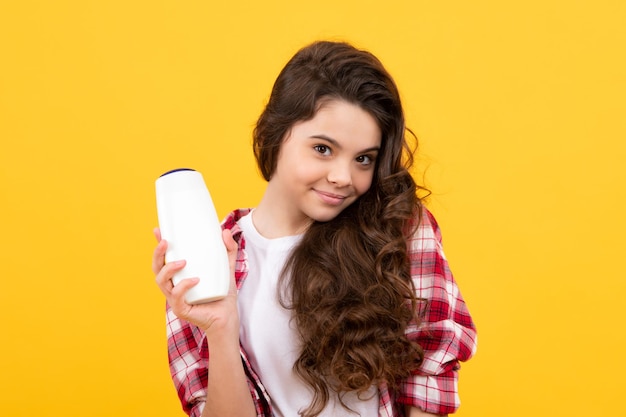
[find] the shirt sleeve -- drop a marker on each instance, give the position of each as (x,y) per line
(446,331)
(189,360)
(188,352)
(188,363)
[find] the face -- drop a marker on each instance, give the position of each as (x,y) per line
(325,163)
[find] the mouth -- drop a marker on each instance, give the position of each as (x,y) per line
(331,198)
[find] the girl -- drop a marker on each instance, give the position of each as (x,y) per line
(341,302)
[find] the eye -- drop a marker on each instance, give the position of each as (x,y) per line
(365,159)
(323,149)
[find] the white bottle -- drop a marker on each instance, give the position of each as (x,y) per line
(189,223)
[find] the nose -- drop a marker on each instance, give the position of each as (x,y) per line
(340,174)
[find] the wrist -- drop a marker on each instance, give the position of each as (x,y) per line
(223,332)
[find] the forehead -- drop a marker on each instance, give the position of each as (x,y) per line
(343,122)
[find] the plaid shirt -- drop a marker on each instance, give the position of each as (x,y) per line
(446,333)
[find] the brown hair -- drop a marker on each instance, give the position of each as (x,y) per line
(349,282)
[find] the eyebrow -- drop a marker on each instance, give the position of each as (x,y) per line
(337,145)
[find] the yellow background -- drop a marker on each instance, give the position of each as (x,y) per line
(520,110)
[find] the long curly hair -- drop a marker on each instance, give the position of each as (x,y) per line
(348,281)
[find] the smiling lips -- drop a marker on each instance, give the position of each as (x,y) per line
(330,198)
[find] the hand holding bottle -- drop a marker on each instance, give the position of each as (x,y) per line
(217,319)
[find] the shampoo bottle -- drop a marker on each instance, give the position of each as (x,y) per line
(189,223)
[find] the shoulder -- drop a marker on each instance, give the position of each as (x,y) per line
(429,224)
(427,235)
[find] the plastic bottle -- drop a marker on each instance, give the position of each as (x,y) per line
(189,223)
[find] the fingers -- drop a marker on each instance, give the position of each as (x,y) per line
(166,273)
(158,258)
(176,297)
(175,294)
(223,312)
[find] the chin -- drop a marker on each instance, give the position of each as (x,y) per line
(325,215)
(323,219)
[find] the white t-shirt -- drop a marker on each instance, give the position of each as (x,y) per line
(268,335)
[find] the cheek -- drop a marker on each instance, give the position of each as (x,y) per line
(362,181)
(303,174)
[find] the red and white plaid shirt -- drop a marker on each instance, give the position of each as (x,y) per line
(446,333)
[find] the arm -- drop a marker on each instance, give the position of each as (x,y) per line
(217,387)
(227,388)
(446,331)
